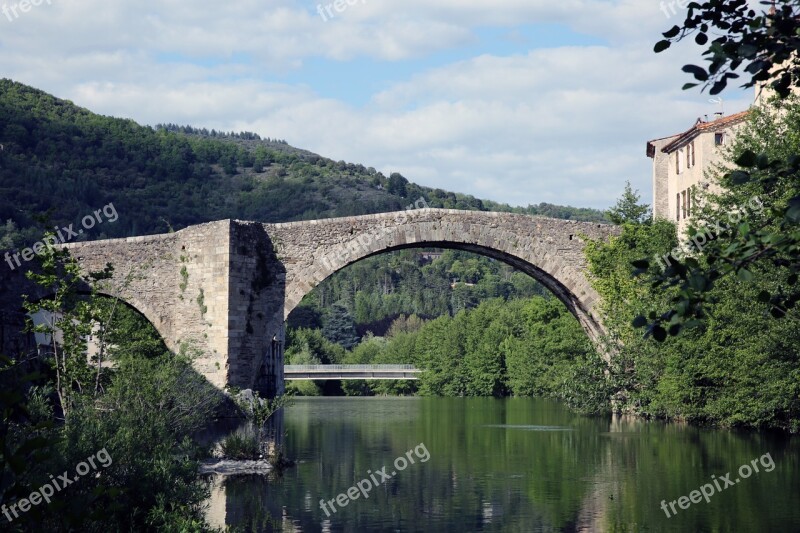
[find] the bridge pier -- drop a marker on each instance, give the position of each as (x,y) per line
(270,381)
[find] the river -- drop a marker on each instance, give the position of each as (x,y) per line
(516,464)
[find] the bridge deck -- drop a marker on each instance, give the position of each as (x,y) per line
(321,372)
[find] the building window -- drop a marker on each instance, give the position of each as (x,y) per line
(678,206)
(690,155)
(678,158)
(683,204)
(719,139)
(689,202)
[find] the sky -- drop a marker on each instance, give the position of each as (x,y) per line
(517,101)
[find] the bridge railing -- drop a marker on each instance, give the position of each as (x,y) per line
(350,368)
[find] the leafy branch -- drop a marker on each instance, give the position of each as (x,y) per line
(765,43)
(739,251)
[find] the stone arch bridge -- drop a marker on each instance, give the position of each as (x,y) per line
(227,287)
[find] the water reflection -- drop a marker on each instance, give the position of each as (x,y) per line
(508,465)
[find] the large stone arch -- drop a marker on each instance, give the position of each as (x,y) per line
(579,307)
(549,250)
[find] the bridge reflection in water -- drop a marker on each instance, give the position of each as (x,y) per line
(254,500)
(321,372)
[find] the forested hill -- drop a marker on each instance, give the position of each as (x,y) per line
(60,162)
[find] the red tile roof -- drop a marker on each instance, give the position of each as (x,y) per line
(701,126)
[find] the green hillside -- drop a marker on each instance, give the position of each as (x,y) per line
(60,162)
(64,161)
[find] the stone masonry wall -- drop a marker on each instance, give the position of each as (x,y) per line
(179,281)
(550,250)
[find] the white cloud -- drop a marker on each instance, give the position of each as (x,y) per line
(558,124)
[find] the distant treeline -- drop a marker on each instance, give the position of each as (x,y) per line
(244,135)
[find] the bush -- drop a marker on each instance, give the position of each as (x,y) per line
(242,445)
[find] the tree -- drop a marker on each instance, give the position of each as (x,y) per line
(397,185)
(25,441)
(339,328)
(310,347)
(67,322)
(628,208)
(769,44)
(735,369)
(10,236)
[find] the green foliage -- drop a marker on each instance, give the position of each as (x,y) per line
(628,208)
(747,230)
(397,348)
(142,420)
(184,279)
(26,430)
(201,302)
(339,327)
(242,444)
(175,176)
(739,370)
(766,42)
(303,388)
(532,347)
(623,296)
(310,347)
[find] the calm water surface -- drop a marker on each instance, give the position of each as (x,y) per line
(519,465)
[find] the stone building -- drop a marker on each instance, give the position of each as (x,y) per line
(681,161)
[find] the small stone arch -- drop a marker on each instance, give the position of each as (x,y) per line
(161,324)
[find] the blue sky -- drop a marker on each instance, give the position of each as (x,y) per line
(518,101)
(356,80)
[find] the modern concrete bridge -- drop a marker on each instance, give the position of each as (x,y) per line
(227,287)
(320,372)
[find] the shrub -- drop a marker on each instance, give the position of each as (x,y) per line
(242,444)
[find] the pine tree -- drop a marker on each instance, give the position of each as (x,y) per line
(628,208)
